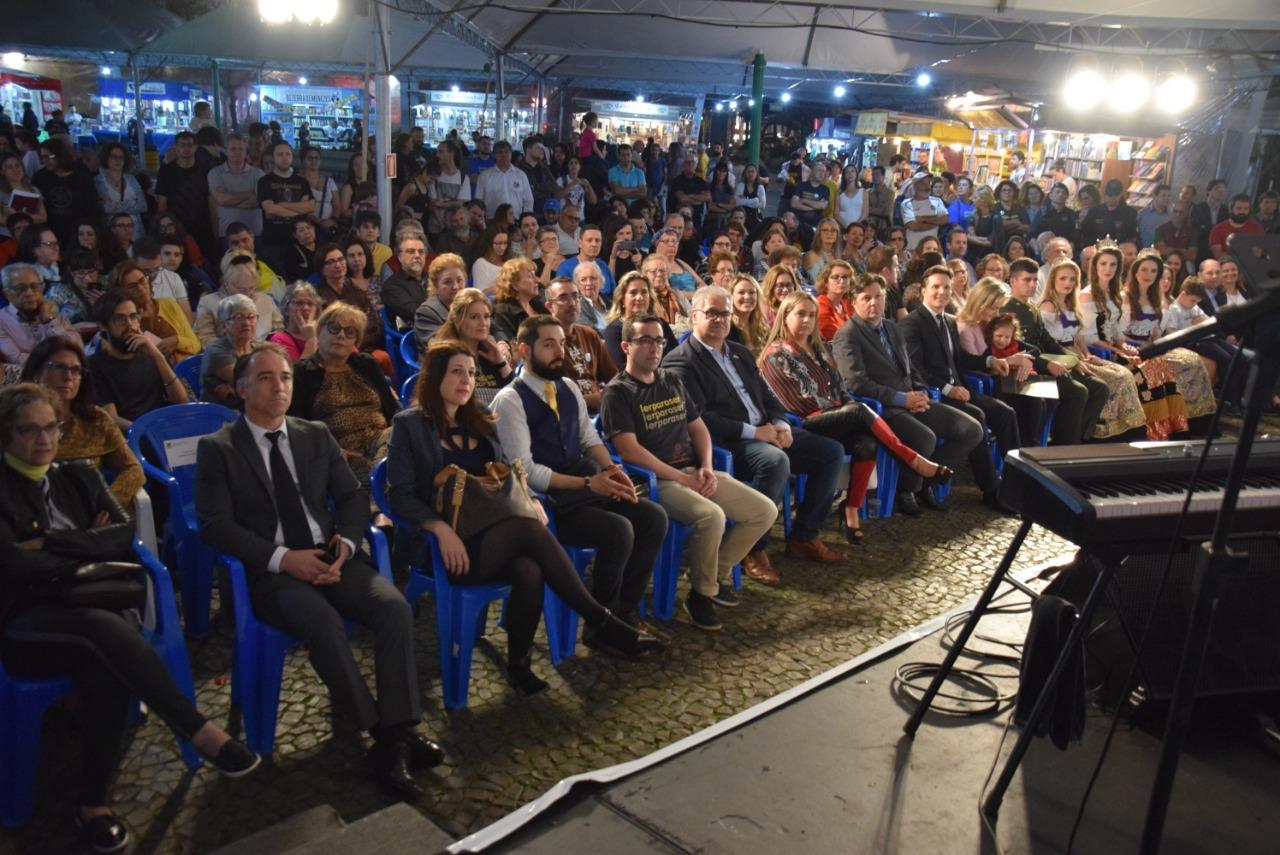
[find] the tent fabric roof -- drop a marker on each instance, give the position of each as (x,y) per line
(96,27)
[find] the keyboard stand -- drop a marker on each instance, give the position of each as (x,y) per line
(991,805)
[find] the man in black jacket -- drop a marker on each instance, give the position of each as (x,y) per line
(1081,399)
(934,344)
(743,416)
(404,292)
(264,484)
(874,361)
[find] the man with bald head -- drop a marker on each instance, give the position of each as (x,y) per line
(1214,299)
(1058,247)
(587,360)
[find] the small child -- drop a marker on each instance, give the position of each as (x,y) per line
(1001,334)
(1185,312)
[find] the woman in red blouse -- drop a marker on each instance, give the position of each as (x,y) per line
(834,305)
(800,371)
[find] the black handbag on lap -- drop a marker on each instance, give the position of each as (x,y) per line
(113,585)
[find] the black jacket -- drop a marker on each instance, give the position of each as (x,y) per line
(235,503)
(714,395)
(77,490)
(413,459)
(401,295)
(928,351)
(308,376)
(507,315)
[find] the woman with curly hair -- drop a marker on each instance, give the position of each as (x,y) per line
(515,297)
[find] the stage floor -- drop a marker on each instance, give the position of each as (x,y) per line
(833,772)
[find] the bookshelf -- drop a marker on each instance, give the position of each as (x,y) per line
(986,167)
(1140,163)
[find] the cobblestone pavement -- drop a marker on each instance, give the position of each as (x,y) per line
(504,750)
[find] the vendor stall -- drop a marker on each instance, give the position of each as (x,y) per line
(936,144)
(44,93)
(166,110)
(439,111)
(329,112)
(628,121)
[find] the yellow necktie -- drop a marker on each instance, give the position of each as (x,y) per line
(551,400)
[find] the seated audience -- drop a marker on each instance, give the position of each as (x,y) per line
(239,277)
(515,297)
(28,319)
(543,423)
(446,277)
(634,297)
(834,305)
(669,304)
(301,308)
(587,361)
(298,532)
(649,418)
(594,309)
(745,418)
(56,518)
(470,322)
(237,318)
(346,390)
(79,289)
(160,318)
(404,292)
(446,426)
(778,282)
(747,326)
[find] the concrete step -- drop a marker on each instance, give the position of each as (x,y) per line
(317,823)
(396,830)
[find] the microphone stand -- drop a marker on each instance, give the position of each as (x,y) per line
(1259,322)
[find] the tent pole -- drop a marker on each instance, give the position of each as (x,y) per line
(383,135)
(500,98)
(137,112)
(757,111)
(217,93)
(363,142)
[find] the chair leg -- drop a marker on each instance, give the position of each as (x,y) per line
(260,720)
(21,736)
(786,509)
(470,616)
(195,577)
(179,668)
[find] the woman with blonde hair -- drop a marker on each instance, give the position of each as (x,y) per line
(633,296)
(823,249)
(778,282)
(1059,310)
(834,306)
(515,297)
(747,325)
(980,308)
(470,319)
(798,367)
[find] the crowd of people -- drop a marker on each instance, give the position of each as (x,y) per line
(579,310)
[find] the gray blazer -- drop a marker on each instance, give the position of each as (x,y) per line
(235,503)
(865,366)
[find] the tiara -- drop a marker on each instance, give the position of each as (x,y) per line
(1105,243)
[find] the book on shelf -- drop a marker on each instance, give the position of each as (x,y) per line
(1124,149)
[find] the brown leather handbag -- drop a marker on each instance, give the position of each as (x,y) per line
(473,503)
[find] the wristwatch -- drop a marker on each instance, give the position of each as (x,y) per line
(586,482)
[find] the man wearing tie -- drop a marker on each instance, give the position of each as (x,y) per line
(264,485)
(543,422)
(874,361)
(934,345)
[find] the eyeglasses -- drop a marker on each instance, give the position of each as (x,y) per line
(242,318)
(29,432)
(27,288)
(648,341)
(63,368)
(716,314)
(49,244)
(339,329)
(125,318)
(335,261)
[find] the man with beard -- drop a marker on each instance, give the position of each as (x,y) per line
(1239,221)
(404,292)
(543,422)
(130,374)
(458,235)
(445,278)
(587,360)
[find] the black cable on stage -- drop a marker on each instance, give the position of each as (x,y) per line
(1155,604)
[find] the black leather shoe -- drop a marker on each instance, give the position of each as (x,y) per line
(104,833)
(424,753)
(942,476)
(521,677)
(928,499)
(391,765)
(906,504)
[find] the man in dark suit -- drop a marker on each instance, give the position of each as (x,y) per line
(1207,214)
(933,343)
(1081,399)
(874,361)
(263,488)
(744,416)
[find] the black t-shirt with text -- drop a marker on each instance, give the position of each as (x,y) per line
(278,231)
(658,413)
(133,385)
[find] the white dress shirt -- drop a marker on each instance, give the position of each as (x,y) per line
(264,448)
(513,425)
(494,187)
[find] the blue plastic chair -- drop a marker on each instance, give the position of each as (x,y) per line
(183,549)
(409,353)
(985,384)
(461,610)
(393,340)
(406,390)
(189,370)
(259,651)
(24,701)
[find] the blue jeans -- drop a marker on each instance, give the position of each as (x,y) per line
(766,468)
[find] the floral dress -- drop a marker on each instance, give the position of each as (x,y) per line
(1123,411)
(1188,369)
